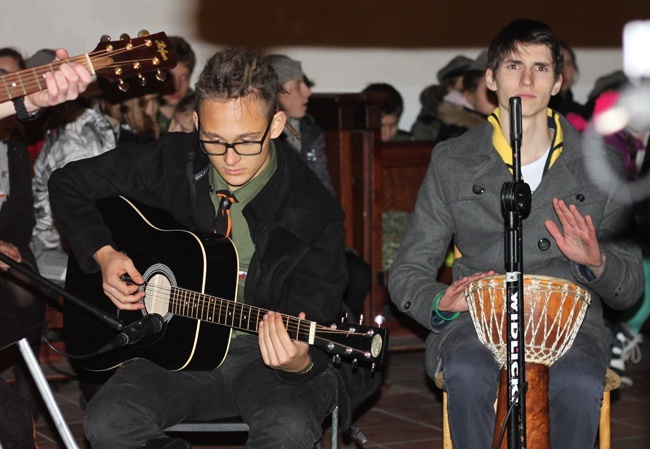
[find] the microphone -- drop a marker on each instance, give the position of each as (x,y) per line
(516,134)
(148,325)
(515,119)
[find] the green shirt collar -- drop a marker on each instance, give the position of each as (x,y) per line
(249,190)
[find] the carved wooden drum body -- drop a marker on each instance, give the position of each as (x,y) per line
(553,312)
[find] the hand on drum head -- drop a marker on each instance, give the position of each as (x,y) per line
(577,240)
(453,299)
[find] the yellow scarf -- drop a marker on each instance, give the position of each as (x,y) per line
(503,147)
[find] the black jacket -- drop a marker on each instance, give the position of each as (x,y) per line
(296,225)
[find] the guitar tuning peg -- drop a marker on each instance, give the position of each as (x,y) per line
(125,37)
(105,38)
(361,318)
(161,76)
(123,86)
(142,80)
(355,364)
(379,320)
(143,33)
(336,359)
(344,317)
(372,367)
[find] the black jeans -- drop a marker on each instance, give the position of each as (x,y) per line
(142,398)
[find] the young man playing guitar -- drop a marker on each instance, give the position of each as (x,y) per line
(288,234)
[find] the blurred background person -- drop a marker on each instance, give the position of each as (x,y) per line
(391,112)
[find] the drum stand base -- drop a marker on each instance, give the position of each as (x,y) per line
(537,409)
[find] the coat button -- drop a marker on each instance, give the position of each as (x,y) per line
(580,197)
(544,244)
(407,305)
(477,189)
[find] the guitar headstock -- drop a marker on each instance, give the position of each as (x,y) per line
(128,57)
(356,342)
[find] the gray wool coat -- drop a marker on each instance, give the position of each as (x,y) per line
(460,199)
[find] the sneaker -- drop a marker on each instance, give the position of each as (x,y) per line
(625,347)
(626,380)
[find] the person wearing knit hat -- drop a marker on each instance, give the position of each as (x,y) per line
(303,133)
(41,57)
(451,78)
(454,68)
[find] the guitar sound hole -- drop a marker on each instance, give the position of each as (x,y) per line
(158,291)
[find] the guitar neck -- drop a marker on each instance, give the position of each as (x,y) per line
(25,82)
(115,60)
(232,314)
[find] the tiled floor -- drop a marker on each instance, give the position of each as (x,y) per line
(405,414)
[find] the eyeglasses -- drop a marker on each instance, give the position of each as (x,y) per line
(247,148)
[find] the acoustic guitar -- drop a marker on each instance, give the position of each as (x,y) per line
(114,60)
(191,281)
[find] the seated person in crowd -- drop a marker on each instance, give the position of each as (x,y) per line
(128,112)
(584,242)
(177,84)
(563,102)
(19,303)
(306,137)
(74,131)
(303,133)
(633,145)
(391,112)
(481,100)
(428,123)
(288,232)
(183,120)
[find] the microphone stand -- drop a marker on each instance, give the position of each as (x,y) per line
(30,359)
(515,205)
(48,286)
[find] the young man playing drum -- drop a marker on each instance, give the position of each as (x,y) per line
(575,232)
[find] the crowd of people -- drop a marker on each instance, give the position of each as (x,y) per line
(241,144)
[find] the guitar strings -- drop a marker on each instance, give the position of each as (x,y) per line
(177,298)
(15,80)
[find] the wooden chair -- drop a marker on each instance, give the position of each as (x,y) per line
(236,424)
(612,382)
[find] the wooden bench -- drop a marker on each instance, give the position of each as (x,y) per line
(370,177)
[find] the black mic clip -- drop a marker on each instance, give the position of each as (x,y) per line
(150,324)
(516,197)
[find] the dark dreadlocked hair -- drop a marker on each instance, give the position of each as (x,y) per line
(235,73)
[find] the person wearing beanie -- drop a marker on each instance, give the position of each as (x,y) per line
(451,117)
(302,133)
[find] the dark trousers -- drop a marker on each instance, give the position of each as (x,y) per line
(142,398)
(576,385)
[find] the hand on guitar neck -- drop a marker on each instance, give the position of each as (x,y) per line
(65,78)
(64,84)
(61,85)
(278,350)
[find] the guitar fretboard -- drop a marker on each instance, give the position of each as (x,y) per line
(229,313)
(25,82)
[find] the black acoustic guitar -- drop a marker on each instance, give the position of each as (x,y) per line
(191,281)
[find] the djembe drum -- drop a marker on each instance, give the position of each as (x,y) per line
(553,312)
